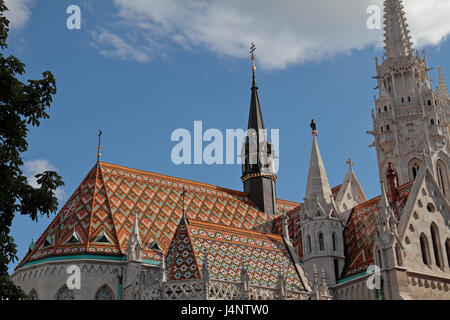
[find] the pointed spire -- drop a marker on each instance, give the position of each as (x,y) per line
(384,203)
(285,226)
(443,91)
(184,218)
(134,243)
(255,120)
(397,37)
(99,147)
(391,175)
(163,268)
(317,186)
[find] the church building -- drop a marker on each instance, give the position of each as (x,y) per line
(139,235)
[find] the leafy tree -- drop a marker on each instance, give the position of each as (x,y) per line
(22,105)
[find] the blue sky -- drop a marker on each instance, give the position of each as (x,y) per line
(138,73)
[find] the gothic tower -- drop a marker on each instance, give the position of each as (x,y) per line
(321,225)
(258,174)
(410,120)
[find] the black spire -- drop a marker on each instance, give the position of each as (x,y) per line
(257,155)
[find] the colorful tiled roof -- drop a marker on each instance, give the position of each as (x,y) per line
(104,205)
(359,234)
(227,248)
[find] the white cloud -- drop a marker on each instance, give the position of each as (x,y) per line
(285,31)
(35,167)
(18,12)
(113,46)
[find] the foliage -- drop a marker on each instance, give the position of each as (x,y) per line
(22,105)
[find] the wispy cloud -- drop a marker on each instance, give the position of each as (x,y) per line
(18,12)
(286,31)
(32,168)
(113,46)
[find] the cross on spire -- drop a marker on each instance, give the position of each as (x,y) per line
(99,146)
(350,163)
(253,56)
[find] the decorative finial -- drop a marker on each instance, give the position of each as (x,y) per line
(313,127)
(350,163)
(99,146)
(252,56)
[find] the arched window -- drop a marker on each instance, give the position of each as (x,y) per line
(104,293)
(413,168)
(436,244)
(64,294)
(447,248)
(425,249)
(380,260)
(334,241)
(321,243)
(308,243)
(442,176)
(33,295)
(398,254)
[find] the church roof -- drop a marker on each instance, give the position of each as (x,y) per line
(98,217)
(227,248)
(359,234)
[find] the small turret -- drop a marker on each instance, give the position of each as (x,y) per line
(134,243)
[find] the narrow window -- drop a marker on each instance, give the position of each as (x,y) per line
(403,100)
(385,108)
(436,244)
(382,129)
(308,243)
(334,241)
(336,269)
(425,249)
(388,127)
(414,172)
(379,259)
(409,99)
(429,102)
(321,243)
(432,121)
(398,253)
(447,248)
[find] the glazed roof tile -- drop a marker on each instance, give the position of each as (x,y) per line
(360,232)
(110,195)
(227,249)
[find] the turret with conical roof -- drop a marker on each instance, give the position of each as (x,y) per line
(321,226)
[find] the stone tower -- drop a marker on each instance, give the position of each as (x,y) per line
(258,174)
(410,120)
(321,225)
